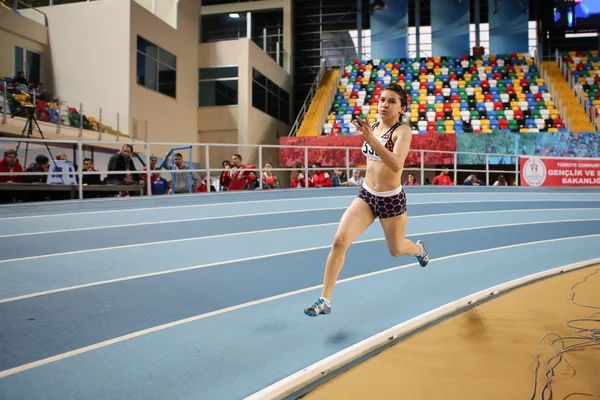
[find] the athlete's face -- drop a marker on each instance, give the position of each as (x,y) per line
(390,106)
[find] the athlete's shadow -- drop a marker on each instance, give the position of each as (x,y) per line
(341,337)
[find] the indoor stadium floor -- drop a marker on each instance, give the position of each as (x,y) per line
(202,296)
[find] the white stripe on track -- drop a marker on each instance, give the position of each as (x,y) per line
(96,346)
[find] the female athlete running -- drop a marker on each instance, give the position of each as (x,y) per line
(386,145)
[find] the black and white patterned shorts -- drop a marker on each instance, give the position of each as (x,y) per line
(384,204)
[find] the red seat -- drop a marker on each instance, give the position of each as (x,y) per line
(439,116)
(498,106)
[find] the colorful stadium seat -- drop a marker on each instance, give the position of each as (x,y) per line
(490,93)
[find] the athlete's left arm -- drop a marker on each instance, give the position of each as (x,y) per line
(394,160)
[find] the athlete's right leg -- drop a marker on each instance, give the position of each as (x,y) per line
(354,222)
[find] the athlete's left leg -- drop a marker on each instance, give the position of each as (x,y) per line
(394,229)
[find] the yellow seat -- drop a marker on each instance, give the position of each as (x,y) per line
(552,129)
(523,130)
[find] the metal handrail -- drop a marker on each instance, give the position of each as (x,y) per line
(513,165)
(308,100)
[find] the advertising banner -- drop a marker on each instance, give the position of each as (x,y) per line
(450,27)
(337,157)
(537,171)
(389,28)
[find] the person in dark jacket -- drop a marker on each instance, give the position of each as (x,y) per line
(41,164)
(123,163)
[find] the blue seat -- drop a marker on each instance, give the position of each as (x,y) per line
(530,123)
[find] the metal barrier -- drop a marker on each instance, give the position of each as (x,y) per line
(512,165)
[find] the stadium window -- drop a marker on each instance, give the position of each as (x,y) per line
(532,37)
(28,62)
(484,36)
(218,86)
(270,98)
(156,68)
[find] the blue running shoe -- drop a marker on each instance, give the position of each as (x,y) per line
(320,307)
(423,258)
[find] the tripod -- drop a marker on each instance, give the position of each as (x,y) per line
(28,128)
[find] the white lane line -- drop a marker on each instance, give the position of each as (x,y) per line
(258,214)
(299,380)
(213,264)
(175,221)
(186,195)
(129,210)
(96,346)
(170,241)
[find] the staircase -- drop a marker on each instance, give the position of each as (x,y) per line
(564,94)
(312,124)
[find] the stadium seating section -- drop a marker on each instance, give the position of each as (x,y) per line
(585,67)
(481,94)
(18,97)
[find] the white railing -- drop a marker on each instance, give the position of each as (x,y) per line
(308,100)
(202,151)
(563,112)
(588,107)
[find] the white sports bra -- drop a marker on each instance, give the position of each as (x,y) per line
(385,140)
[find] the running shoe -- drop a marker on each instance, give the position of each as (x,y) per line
(423,258)
(320,307)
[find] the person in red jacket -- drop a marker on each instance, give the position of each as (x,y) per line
(240,179)
(10,163)
(320,178)
(442,179)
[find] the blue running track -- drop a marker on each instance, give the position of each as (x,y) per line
(202,296)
